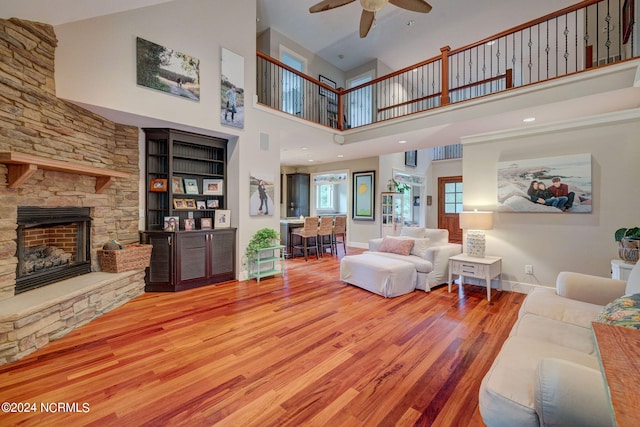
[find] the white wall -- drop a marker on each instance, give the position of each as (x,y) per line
(559,242)
(96,66)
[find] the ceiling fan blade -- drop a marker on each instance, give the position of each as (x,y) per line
(366,21)
(328,4)
(412,5)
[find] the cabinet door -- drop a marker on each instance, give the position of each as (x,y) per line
(298,193)
(222,255)
(191,256)
(159,275)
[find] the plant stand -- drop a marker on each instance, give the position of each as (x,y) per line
(266,262)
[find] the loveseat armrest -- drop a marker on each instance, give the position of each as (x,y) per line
(588,288)
(439,257)
(570,394)
(374,244)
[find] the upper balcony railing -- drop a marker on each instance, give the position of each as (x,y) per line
(589,34)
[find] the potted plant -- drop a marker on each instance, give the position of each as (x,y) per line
(394,185)
(628,243)
(262,238)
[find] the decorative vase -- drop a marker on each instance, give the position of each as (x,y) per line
(628,250)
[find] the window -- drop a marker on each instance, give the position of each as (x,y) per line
(453,197)
(292,84)
(324,196)
(330,193)
(360,103)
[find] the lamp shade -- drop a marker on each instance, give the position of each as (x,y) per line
(476,220)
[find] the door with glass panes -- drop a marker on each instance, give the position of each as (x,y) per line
(450,205)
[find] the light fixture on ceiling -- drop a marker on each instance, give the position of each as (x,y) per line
(411,23)
(402,142)
(304,148)
(340,156)
(373,5)
(529,119)
(310,160)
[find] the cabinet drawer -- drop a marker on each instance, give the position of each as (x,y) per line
(468,269)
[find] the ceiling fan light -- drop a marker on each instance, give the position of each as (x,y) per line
(373,5)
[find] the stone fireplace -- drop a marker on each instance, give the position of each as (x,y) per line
(79,189)
(53,244)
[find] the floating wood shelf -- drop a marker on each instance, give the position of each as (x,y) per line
(21,166)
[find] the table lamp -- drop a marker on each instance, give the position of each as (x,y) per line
(475,223)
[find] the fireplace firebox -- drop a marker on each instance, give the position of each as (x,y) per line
(53,244)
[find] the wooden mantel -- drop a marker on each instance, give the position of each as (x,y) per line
(21,166)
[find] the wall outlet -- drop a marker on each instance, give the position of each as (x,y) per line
(528,269)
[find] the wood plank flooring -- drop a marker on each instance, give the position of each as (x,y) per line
(303,350)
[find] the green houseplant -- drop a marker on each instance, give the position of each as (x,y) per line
(394,185)
(628,243)
(261,239)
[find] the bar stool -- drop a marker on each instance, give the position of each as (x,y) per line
(309,231)
(340,230)
(325,234)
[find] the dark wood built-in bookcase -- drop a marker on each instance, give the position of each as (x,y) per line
(183,259)
(173,154)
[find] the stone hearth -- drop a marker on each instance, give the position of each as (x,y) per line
(34,121)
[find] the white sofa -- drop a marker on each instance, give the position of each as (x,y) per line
(547,372)
(391,274)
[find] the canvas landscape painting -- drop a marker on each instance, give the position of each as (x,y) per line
(552,184)
(167,70)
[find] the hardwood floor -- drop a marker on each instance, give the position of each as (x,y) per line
(304,350)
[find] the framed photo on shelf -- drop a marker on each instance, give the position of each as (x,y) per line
(411,158)
(205,223)
(158,185)
(189,203)
(176,185)
(179,204)
(189,224)
(200,204)
(191,186)
(213,187)
(222,219)
(171,223)
(213,203)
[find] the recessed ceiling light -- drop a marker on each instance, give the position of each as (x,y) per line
(304,148)
(402,142)
(341,155)
(410,23)
(310,160)
(529,119)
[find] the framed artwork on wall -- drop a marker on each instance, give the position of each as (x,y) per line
(411,158)
(363,206)
(551,184)
(167,70)
(232,92)
(323,91)
(261,194)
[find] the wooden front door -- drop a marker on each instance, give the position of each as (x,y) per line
(450,205)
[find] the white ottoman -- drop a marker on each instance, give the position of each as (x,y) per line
(379,274)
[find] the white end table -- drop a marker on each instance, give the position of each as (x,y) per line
(485,268)
(620,270)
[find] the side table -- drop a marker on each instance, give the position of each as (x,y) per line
(485,268)
(620,270)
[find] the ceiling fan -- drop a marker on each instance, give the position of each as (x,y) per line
(370,7)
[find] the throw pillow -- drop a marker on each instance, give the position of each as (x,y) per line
(420,247)
(624,311)
(396,246)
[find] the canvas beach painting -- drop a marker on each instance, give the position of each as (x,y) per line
(551,184)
